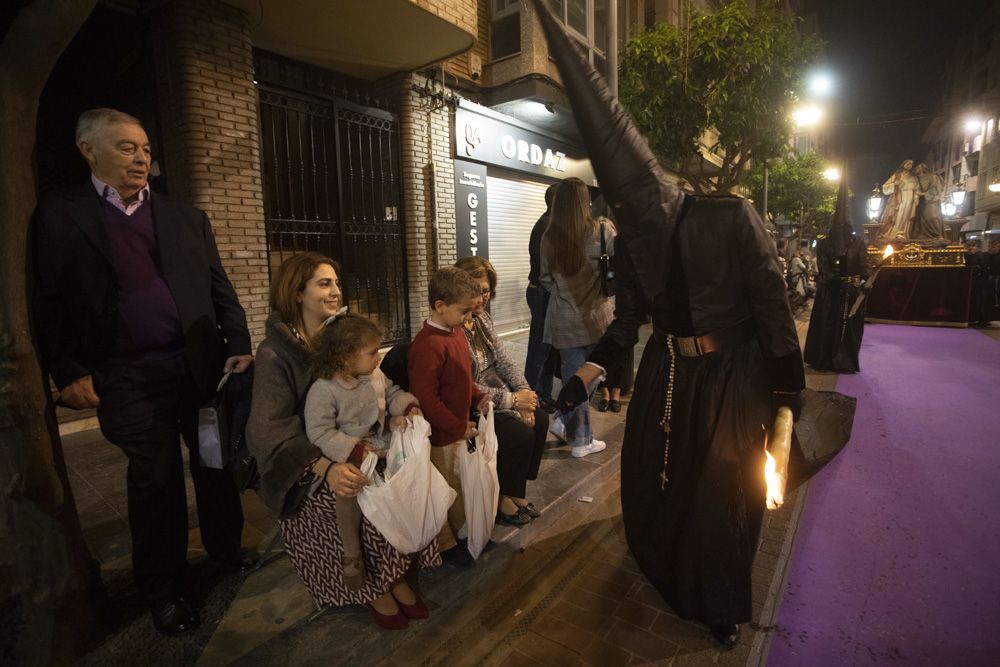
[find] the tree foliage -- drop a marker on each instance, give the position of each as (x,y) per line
(727,78)
(797,190)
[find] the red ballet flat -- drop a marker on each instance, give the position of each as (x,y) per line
(395,622)
(415,611)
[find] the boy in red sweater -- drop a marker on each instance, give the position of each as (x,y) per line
(441,379)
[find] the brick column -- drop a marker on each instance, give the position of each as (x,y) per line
(208,101)
(425,140)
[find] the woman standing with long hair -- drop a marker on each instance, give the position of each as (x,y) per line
(579,311)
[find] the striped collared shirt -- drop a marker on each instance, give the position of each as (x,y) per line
(110,195)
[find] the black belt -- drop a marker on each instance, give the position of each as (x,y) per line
(696,346)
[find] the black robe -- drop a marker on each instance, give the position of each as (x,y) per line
(833,341)
(979,268)
(695,537)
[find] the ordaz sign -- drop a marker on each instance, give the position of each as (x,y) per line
(482,137)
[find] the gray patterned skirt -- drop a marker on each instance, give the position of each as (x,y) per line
(313,544)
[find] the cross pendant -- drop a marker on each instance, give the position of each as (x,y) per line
(663,480)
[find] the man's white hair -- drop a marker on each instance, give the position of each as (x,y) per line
(92,120)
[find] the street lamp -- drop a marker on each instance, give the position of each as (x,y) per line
(958,197)
(832,174)
(994,186)
(820,84)
(948,208)
(875,203)
(972,125)
(807,116)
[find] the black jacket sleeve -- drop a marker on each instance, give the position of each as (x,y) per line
(779,341)
(59,342)
(630,313)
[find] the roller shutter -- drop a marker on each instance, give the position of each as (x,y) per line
(514,206)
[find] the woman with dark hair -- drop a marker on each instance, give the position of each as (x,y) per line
(521,425)
(579,312)
(298,482)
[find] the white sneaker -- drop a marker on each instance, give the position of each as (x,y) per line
(557,428)
(593,447)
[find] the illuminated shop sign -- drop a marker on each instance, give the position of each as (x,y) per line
(482,135)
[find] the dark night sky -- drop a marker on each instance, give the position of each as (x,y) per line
(889,60)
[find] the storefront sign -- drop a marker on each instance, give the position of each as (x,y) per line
(484,137)
(470,209)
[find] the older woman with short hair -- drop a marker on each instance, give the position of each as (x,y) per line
(521,425)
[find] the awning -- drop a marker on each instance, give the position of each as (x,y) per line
(367,39)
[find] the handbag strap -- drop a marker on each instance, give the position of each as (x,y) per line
(604,247)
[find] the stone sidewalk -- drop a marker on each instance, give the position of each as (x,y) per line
(562,591)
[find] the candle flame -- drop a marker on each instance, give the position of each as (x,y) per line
(888,251)
(775,485)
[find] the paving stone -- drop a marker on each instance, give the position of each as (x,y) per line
(636,613)
(603,654)
(547,651)
(641,642)
(594,620)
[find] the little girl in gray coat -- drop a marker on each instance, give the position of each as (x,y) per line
(351,409)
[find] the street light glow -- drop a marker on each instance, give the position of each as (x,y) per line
(807,116)
(832,174)
(820,84)
(973,125)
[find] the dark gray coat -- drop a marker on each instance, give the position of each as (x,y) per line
(276,432)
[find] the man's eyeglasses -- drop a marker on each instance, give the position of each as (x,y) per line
(488,293)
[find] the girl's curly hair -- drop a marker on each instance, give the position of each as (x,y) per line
(340,340)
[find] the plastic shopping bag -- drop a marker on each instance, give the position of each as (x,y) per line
(409,504)
(210,427)
(478,471)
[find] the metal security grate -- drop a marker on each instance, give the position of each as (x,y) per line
(331,177)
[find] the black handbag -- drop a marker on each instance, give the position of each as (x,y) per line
(605,269)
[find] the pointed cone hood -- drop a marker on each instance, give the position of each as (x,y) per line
(646,204)
(840,229)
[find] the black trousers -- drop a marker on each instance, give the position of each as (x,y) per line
(520,450)
(147,404)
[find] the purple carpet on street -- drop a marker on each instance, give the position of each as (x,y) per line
(897,556)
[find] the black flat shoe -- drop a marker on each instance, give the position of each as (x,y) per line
(174,617)
(530,510)
(602,406)
(727,635)
(615,406)
(517,519)
(241,561)
(458,557)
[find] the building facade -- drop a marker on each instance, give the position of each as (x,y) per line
(965,139)
(391,135)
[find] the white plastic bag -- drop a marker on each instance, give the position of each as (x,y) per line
(209,434)
(409,504)
(480,486)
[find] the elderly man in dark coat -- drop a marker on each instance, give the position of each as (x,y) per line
(135,316)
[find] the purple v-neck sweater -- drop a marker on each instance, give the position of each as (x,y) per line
(145,304)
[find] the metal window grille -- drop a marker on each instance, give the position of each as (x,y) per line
(331,177)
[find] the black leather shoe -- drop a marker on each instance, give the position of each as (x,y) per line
(175,617)
(517,519)
(727,635)
(238,562)
(530,510)
(458,557)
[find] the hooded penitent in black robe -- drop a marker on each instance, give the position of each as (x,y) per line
(696,266)
(834,338)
